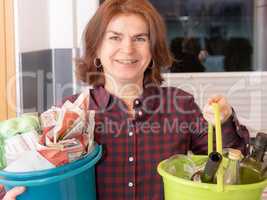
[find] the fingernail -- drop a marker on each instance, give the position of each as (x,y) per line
(21,188)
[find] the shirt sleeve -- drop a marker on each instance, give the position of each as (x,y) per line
(234,135)
(71,98)
(2,192)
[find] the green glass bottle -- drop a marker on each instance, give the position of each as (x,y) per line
(211,167)
(251,168)
(232,173)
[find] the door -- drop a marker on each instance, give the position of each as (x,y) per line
(7,61)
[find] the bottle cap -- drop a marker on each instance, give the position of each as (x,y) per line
(235,154)
(215,156)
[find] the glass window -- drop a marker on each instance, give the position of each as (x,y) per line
(209,35)
(215,35)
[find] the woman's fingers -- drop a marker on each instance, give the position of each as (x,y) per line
(225,108)
(216,99)
(13,193)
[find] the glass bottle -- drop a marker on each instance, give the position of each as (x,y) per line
(251,168)
(211,167)
(232,173)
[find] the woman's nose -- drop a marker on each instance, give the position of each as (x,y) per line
(127,46)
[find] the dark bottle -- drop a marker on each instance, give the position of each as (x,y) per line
(251,168)
(211,167)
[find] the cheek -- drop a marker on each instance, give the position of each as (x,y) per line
(106,50)
(146,52)
(147,56)
(106,58)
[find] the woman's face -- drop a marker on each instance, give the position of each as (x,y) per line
(125,49)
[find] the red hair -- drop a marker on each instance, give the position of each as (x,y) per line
(86,70)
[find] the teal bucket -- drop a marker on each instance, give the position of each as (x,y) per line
(73,181)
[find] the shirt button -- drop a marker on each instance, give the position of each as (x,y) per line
(140,113)
(131,133)
(130,184)
(137,102)
(131,159)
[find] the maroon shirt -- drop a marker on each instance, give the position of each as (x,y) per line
(167,122)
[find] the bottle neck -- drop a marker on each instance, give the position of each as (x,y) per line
(258,154)
(233,162)
(211,167)
(231,175)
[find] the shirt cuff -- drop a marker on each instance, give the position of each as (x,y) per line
(240,130)
(2,192)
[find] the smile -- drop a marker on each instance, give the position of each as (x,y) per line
(127,61)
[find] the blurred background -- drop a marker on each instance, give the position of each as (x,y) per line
(220,46)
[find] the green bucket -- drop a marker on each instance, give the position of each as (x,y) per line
(176,188)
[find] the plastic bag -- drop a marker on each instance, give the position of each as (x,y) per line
(2,154)
(177,162)
(11,127)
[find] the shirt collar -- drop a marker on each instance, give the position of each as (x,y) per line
(99,98)
(149,99)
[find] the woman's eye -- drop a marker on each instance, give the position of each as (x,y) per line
(116,38)
(140,39)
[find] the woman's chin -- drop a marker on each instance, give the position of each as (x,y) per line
(127,78)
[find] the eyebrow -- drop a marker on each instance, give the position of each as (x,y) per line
(136,35)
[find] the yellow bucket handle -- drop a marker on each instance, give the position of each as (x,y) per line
(218,131)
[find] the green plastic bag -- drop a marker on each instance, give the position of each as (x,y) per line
(2,154)
(11,127)
(19,125)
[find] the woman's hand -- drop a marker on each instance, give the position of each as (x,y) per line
(13,193)
(225,108)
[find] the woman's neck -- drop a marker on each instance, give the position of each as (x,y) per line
(125,91)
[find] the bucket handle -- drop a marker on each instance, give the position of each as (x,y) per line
(53,179)
(218,131)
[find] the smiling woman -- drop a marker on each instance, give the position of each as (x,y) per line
(125,53)
(96,34)
(137,121)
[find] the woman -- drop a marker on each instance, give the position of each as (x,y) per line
(138,122)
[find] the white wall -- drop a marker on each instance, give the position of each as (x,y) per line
(246,92)
(50,24)
(85,10)
(32,24)
(68,19)
(61,23)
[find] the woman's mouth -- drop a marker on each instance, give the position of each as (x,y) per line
(126,61)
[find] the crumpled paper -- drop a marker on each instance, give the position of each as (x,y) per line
(67,133)
(69,129)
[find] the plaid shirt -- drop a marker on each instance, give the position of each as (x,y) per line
(167,122)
